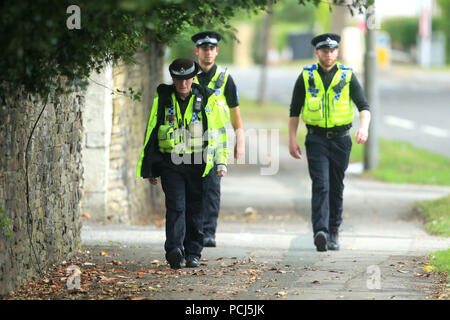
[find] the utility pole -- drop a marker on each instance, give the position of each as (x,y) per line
(371,90)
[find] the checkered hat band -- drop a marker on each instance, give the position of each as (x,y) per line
(206,40)
(183,72)
(327,42)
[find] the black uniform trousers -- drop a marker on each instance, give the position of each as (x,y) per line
(211,204)
(183,188)
(327,161)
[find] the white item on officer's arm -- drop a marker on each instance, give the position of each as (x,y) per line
(221,167)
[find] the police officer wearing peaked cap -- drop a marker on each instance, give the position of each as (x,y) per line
(323,94)
(175,150)
(206,38)
(218,79)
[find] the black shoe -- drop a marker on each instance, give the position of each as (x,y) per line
(175,257)
(192,262)
(320,241)
(333,242)
(209,242)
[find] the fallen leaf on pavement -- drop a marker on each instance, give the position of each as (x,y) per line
(316,282)
(106,279)
(428,268)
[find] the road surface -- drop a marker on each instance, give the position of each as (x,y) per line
(413,103)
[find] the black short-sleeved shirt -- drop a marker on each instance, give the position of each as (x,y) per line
(298,96)
(231,94)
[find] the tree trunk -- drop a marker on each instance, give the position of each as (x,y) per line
(264,50)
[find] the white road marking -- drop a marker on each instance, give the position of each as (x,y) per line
(408,124)
(244,236)
(434,131)
(399,122)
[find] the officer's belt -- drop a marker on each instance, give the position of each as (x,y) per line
(167,156)
(329,134)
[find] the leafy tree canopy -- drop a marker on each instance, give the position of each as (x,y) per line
(38,47)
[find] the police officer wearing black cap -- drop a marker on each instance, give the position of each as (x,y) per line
(323,94)
(177,149)
(218,79)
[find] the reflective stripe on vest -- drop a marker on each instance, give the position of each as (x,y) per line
(181,134)
(218,83)
(331,108)
(211,151)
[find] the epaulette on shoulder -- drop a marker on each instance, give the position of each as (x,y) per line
(311,67)
(341,66)
(204,91)
(165,89)
(209,91)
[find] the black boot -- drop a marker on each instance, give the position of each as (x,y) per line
(175,258)
(333,241)
(320,241)
(209,242)
(192,262)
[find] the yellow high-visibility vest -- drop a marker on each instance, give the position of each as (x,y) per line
(331,108)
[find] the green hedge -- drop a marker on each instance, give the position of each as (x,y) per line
(404,30)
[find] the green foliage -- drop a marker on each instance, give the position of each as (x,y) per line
(437,215)
(182,45)
(290,11)
(445,23)
(5,224)
(441,262)
(400,162)
(403,30)
(133,95)
(324,17)
(358,5)
(38,48)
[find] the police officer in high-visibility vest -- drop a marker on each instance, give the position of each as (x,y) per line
(181,147)
(218,79)
(323,94)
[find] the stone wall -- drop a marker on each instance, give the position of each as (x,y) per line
(132,200)
(55,178)
(97,124)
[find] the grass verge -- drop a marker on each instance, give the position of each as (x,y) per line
(441,261)
(400,162)
(436,214)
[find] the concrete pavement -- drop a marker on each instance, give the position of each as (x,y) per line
(382,241)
